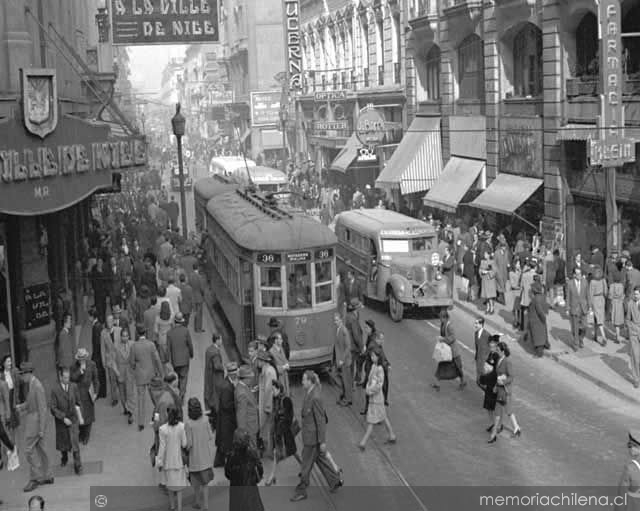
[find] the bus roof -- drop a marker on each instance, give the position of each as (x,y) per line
(374,221)
(230,163)
(254,228)
(208,187)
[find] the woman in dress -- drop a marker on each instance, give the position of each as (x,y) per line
(488,275)
(597,293)
(376,412)
(616,295)
(162,326)
(172,439)
(280,361)
(537,324)
(489,379)
(282,439)
(200,448)
(453,369)
(504,398)
(244,471)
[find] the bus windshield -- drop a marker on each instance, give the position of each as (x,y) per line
(412,246)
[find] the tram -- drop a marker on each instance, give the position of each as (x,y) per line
(265,261)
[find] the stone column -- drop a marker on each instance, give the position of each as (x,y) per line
(16,45)
(492,92)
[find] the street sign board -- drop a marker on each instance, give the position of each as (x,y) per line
(141,22)
(370,127)
(331,95)
(265,108)
(330,125)
(612,149)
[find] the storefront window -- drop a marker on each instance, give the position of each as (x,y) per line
(324,281)
(299,286)
(271,287)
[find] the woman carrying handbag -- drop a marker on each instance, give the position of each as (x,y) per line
(504,395)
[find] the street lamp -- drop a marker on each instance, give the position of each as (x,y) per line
(178,124)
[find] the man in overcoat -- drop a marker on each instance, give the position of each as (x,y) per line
(65,343)
(109,337)
(342,355)
(481,338)
(246,405)
(65,403)
(96,352)
(85,375)
(145,362)
(180,349)
(213,378)
(226,422)
(35,415)
(198,286)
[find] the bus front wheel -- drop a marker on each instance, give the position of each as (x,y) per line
(396,308)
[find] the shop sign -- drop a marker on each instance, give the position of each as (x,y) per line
(332,95)
(37,305)
(521,147)
(141,22)
(613,149)
(38,177)
(330,125)
(293,49)
(265,108)
(298,257)
(371,126)
(367,154)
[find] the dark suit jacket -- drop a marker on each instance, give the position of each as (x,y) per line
(213,376)
(313,419)
(186,304)
(179,346)
(145,361)
(246,409)
(65,349)
(198,285)
(352,323)
(482,349)
(226,419)
(578,302)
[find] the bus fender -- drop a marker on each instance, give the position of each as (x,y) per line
(399,285)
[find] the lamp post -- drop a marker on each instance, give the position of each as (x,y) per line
(283,124)
(178,124)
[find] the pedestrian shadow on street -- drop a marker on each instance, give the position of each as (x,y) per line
(507,317)
(619,365)
(562,335)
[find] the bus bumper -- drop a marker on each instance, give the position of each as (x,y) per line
(312,357)
(428,302)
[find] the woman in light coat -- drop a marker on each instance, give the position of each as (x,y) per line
(598,291)
(200,447)
(376,411)
(280,360)
(488,274)
(173,439)
(616,295)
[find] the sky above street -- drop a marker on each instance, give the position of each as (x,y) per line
(147,63)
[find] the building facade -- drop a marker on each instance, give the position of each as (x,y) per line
(516,86)
(252,36)
(56,71)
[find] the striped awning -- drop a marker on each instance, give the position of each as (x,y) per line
(416,163)
(576,131)
(346,156)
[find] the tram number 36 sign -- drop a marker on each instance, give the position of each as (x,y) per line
(371,126)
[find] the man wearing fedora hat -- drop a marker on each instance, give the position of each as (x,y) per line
(628,497)
(246,406)
(35,415)
(226,422)
(84,374)
(180,350)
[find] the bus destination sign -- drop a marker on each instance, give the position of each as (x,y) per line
(298,257)
(269,258)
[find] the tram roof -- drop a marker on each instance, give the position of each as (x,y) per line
(253,228)
(209,187)
(373,221)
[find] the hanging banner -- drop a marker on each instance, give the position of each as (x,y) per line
(141,22)
(292,47)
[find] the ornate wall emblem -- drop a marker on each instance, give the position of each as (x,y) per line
(40,101)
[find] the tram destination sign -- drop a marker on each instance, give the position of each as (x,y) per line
(141,22)
(298,257)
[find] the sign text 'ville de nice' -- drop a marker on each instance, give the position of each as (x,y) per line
(138,22)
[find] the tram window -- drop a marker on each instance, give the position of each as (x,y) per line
(271,287)
(299,290)
(324,281)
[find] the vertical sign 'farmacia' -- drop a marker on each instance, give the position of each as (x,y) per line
(293,51)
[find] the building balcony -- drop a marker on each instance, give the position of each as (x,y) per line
(583,98)
(590,86)
(462,7)
(424,9)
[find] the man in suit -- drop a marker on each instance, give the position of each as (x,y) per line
(180,349)
(633,327)
(226,421)
(481,337)
(352,323)
(313,429)
(186,303)
(198,286)
(246,405)
(448,265)
(213,378)
(65,401)
(34,418)
(149,318)
(342,355)
(65,344)
(578,305)
(108,339)
(145,362)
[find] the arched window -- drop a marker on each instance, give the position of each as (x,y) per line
(471,68)
(631,45)
(527,62)
(428,73)
(587,46)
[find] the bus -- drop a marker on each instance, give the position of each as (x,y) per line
(267,262)
(228,165)
(394,257)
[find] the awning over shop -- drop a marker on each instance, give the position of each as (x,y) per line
(457,177)
(347,155)
(507,193)
(575,131)
(416,164)
(271,139)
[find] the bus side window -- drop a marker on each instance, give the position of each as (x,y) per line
(373,252)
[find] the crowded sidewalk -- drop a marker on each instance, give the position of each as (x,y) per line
(606,366)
